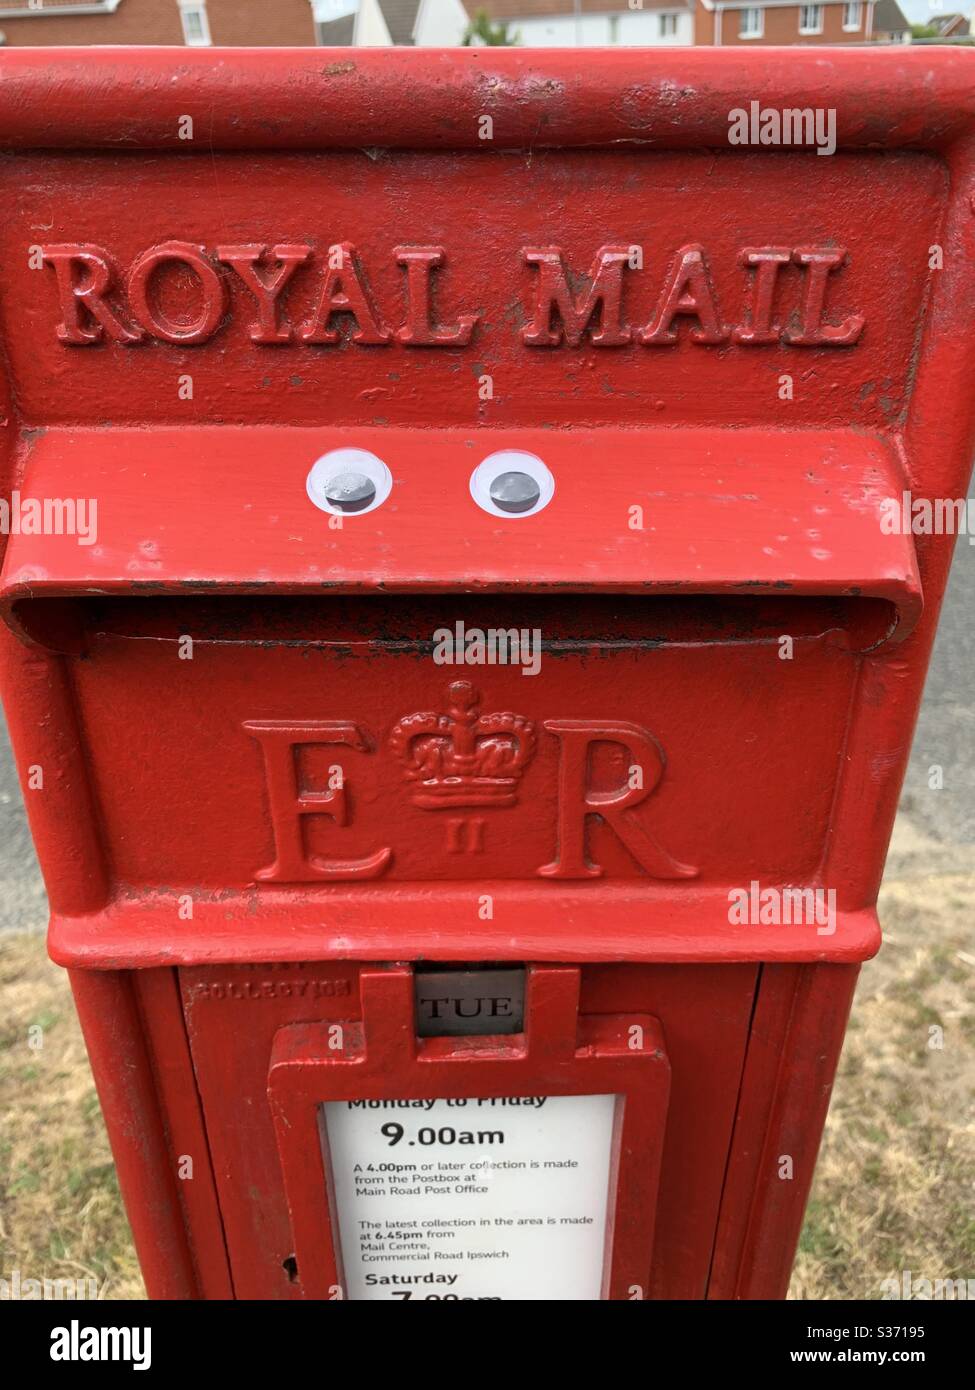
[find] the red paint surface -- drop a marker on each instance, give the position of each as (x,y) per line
(785,772)
(743,511)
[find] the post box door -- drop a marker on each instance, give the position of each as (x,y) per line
(238,1019)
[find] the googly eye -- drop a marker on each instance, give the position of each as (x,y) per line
(512,484)
(349,482)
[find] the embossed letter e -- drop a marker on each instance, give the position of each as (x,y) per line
(279,739)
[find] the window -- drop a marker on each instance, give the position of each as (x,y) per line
(196,27)
(752,24)
(810,19)
(851,17)
(668,26)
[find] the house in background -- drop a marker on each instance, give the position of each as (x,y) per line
(591,23)
(194,23)
(889,23)
(949,26)
(783,22)
(445,23)
(261,23)
(383,23)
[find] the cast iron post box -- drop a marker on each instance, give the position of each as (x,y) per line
(472,556)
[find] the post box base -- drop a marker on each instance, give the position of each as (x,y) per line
(751,1049)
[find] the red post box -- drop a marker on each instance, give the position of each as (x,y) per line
(612,385)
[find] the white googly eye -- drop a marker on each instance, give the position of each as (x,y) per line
(349,482)
(512,484)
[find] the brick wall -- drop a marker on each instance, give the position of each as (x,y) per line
(703,24)
(781,27)
(282,23)
(232,22)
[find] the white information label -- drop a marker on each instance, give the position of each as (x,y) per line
(472,1199)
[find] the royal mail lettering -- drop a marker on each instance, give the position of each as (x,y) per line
(300,294)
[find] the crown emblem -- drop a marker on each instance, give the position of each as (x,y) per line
(463,758)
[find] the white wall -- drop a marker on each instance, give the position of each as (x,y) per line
(631,28)
(370,27)
(440,24)
(636,29)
